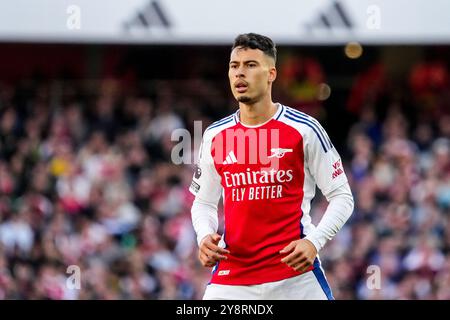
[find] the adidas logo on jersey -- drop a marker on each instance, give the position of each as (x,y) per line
(230,159)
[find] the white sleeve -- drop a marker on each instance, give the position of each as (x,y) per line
(207,188)
(339,209)
(206,182)
(204,219)
(323,161)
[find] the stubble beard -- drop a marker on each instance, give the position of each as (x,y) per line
(245,99)
(249,99)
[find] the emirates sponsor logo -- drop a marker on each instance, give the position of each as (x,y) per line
(257,177)
(257,185)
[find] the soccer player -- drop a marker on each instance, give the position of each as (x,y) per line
(265,160)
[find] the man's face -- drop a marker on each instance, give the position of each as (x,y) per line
(251,73)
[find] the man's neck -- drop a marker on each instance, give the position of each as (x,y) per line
(258,113)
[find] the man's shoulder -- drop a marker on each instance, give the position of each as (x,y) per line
(307,125)
(216,127)
(297,116)
(299,120)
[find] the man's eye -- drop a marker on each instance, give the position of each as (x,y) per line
(233,66)
(252,65)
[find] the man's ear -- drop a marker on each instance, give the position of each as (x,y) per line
(272,74)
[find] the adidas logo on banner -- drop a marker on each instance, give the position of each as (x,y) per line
(231,158)
(150,17)
(333,17)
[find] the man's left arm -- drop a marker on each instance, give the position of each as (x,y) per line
(303,252)
(325,165)
(340,208)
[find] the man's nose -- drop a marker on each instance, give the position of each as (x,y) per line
(240,72)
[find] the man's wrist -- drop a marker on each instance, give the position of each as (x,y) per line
(316,243)
(202,235)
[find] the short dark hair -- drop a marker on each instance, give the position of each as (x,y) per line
(256,41)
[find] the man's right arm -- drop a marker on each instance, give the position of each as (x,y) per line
(204,218)
(207,188)
(205,222)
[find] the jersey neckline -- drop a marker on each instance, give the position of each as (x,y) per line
(276,116)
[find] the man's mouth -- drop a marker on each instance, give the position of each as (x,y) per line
(241,86)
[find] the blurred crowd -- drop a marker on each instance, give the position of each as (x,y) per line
(87,180)
(91,184)
(396,245)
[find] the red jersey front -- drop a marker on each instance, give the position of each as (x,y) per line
(267,176)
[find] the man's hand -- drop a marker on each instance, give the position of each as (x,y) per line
(301,255)
(209,252)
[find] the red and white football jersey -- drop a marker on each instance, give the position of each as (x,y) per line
(267,175)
